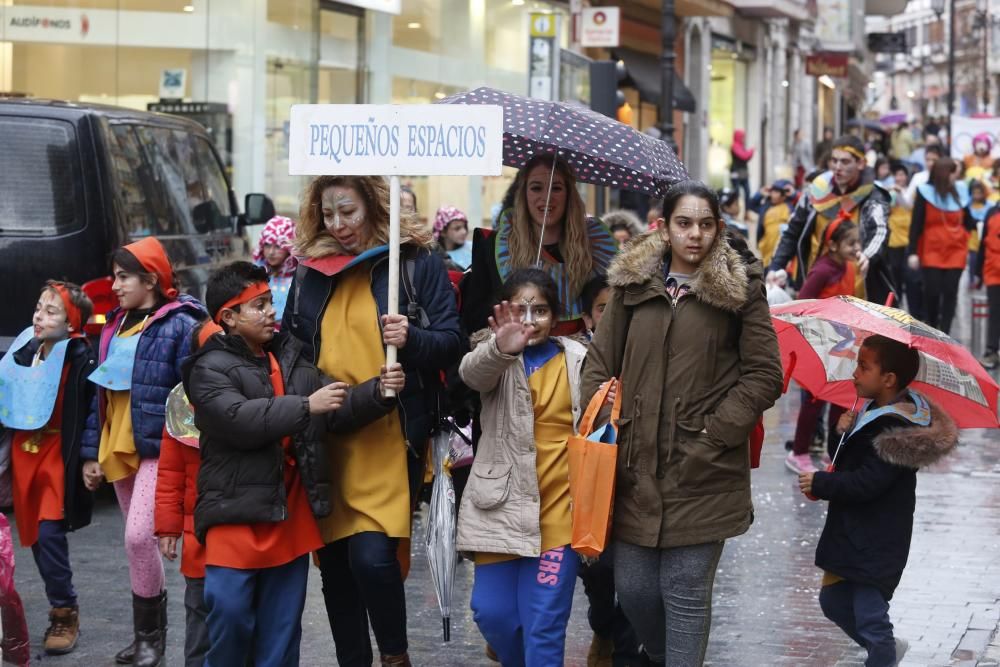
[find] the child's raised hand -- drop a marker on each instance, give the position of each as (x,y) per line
(328,398)
(845,422)
(168,547)
(92,475)
(512,334)
(391,379)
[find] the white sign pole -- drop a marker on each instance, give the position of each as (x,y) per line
(390,350)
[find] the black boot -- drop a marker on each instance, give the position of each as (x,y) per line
(146,619)
(163,623)
(127,654)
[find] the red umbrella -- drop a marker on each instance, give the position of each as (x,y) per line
(820,338)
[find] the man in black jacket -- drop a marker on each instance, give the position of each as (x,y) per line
(849,191)
(872,493)
(263,411)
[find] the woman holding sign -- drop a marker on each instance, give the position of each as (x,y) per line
(575,247)
(337,307)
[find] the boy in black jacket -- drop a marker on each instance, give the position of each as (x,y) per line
(263,412)
(872,493)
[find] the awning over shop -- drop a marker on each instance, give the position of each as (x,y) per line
(644,71)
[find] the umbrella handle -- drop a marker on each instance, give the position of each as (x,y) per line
(545,215)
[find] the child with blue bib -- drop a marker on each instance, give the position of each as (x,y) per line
(44,401)
(142,346)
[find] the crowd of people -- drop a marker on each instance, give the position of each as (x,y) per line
(311,444)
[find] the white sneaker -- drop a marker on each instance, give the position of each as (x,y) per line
(902,646)
(799,463)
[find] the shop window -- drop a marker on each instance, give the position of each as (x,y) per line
(40,178)
(296,14)
(126,5)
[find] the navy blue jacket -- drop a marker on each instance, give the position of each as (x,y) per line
(163,347)
(429,349)
(872,494)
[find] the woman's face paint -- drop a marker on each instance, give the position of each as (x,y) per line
(691,231)
(344,217)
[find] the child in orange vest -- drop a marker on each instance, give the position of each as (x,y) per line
(988,273)
(834,273)
(44,405)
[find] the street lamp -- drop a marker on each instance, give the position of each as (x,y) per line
(938,8)
(668,32)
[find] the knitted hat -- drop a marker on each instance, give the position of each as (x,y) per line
(446,215)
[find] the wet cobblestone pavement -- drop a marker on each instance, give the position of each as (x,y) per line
(766,612)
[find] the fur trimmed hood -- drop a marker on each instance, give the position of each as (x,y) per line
(919,446)
(723,279)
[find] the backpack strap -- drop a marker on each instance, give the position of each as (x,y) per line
(300,274)
(414,311)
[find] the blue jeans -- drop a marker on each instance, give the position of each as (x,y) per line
(862,612)
(255,609)
(522,607)
(51,553)
(362,580)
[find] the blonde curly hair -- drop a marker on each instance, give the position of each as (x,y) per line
(312,239)
(574,244)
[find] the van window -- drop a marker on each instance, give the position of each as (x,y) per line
(41,193)
(193,194)
(169,182)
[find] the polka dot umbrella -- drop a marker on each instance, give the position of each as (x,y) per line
(600,150)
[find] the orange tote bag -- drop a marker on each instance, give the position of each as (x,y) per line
(593,458)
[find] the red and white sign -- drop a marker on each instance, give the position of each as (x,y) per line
(600,26)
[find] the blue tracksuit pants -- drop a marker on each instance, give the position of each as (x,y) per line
(258,610)
(522,607)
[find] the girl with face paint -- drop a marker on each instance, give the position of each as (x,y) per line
(688,331)
(525,570)
(338,309)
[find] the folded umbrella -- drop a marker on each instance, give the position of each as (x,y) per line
(820,338)
(442,555)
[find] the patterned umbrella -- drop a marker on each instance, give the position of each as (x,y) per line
(599,149)
(820,338)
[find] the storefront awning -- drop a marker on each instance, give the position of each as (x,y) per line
(644,72)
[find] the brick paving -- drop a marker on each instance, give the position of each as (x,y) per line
(766,611)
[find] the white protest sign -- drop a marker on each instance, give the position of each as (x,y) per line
(965,129)
(385,139)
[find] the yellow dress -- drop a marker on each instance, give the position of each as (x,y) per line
(117,454)
(899,226)
(369,482)
(553,403)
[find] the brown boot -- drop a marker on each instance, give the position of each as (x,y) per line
(64,630)
(396,660)
(601,649)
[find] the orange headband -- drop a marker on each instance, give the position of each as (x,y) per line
(251,292)
(73,314)
(852,150)
(832,227)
